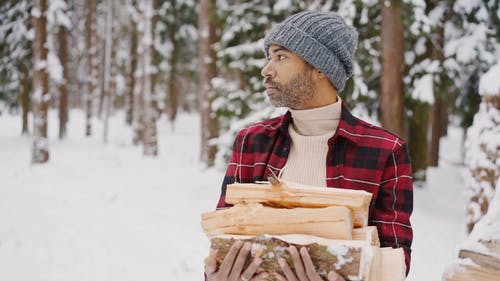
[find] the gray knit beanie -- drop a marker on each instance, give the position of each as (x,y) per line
(322,39)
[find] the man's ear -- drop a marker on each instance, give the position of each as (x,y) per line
(319,74)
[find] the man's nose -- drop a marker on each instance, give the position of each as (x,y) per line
(267,70)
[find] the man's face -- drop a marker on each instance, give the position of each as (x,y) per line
(288,79)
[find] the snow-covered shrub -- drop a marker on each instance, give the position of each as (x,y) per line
(482,155)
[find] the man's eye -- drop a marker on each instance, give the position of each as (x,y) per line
(281,57)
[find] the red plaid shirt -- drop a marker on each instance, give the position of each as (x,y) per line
(360,156)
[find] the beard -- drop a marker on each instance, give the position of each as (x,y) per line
(293,94)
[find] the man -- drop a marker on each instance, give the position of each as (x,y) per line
(318,141)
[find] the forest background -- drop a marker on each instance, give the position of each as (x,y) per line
(417,70)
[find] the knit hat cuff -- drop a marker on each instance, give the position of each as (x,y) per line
(295,40)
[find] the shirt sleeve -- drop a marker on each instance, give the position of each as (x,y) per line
(394,204)
(232,171)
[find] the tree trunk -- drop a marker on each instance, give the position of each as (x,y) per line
(392,56)
(62,37)
(207,59)
(436,131)
(173,82)
(78,55)
(130,101)
(25,98)
(91,52)
(155,59)
(150,143)
(138,122)
(101,70)
(417,138)
(115,34)
(439,112)
(107,68)
(41,96)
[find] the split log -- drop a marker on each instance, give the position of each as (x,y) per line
(368,234)
(482,259)
(470,272)
(392,264)
(290,195)
(351,259)
(254,219)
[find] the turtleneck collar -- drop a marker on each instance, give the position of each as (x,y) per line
(317,121)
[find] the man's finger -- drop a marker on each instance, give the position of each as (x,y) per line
(240,261)
(261,277)
(210,265)
(308,265)
(297,263)
(279,277)
(286,269)
(334,276)
(250,271)
(228,262)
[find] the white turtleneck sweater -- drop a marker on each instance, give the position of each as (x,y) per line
(310,131)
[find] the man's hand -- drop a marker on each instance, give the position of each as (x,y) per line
(231,268)
(304,268)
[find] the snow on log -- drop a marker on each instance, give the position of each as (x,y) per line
(351,259)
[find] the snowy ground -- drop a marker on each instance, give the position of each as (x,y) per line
(101,212)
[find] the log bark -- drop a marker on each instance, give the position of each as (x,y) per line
(332,222)
(351,259)
(290,195)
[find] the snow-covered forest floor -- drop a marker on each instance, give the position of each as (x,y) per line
(103,212)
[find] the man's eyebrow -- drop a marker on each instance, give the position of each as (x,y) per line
(280,49)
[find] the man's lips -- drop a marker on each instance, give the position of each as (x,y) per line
(270,90)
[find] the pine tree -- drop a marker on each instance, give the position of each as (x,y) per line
(16,57)
(178,55)
(238,88)
(472,46)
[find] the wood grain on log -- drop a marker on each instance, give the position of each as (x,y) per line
(254,219)
(290,195)
(368,234)
(392,264)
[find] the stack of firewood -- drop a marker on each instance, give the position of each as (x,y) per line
(330,222)
(479,256)
(480,263)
